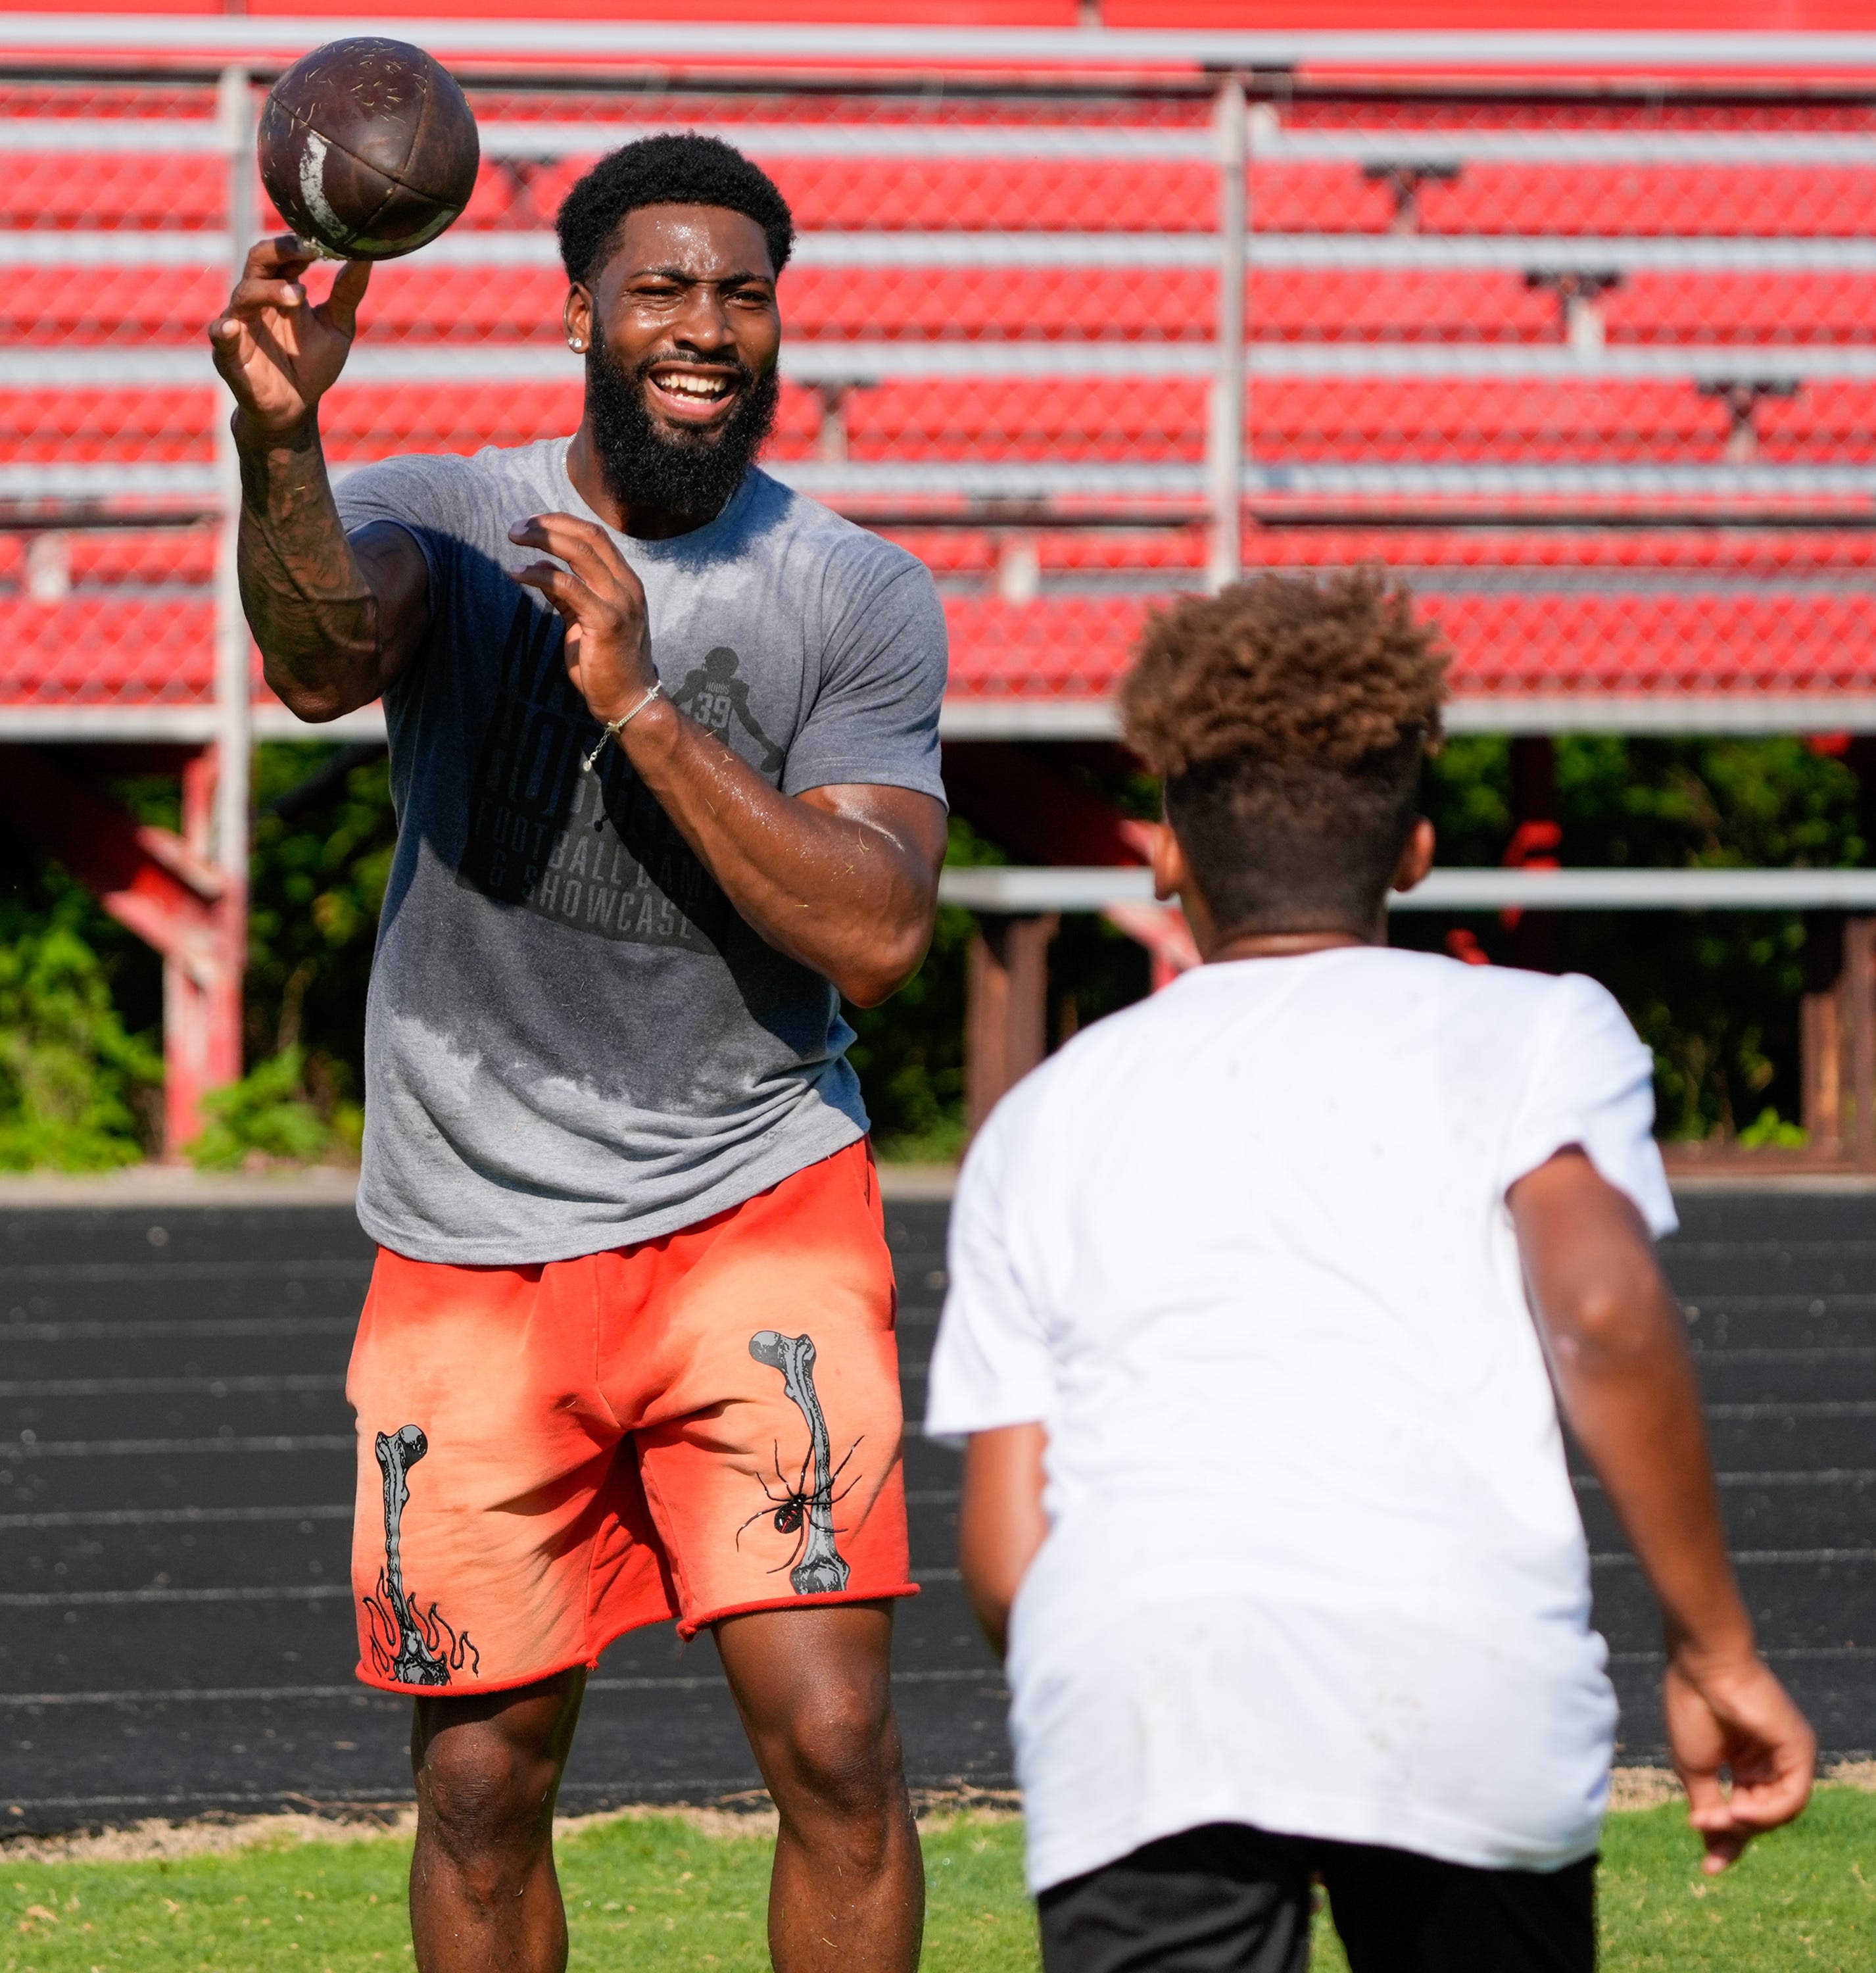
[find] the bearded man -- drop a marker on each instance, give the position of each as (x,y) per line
(664,749)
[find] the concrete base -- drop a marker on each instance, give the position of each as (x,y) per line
(320,1185)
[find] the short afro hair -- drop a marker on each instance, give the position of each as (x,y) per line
(1287,717)
(678,168)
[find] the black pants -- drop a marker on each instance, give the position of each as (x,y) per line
(1227,1898)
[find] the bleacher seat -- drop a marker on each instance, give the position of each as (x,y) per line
(1534,594)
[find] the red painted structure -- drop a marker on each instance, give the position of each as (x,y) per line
(1572,326)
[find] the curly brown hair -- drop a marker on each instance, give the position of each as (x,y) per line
(1331,669)
(1287,717)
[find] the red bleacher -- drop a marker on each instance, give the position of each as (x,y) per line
(105,649)
(1005,357)
(153,191)
(1574,336)
(46,304)
(1540,642)
(1142,418)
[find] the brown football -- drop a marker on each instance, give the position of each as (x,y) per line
(369,148)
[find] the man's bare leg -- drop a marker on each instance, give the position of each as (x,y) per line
(483,1893)
(812,1686)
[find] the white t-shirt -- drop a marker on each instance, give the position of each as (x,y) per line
(1314,1562)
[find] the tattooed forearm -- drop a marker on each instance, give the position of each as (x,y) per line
(311,611)
(335,616)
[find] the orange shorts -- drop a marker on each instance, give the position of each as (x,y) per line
(703,1424)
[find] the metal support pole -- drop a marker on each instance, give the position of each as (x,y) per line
(202,1004)
(234,680)
(1006,1008)
(190,979)
(1535,843)
(1859,969)
(1821,1030)
(1227,463)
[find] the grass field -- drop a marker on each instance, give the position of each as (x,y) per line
(662,1892)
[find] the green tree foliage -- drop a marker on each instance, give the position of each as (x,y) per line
(318,873)
(71,1076)
(317,887)
(1715,995)
(81,1063)
(265,1115)
(909,1053)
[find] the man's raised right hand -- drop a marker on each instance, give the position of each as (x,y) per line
(279,355)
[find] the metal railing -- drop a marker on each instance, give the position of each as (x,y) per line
(1020,891)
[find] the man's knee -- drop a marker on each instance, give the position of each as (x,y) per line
(838,1752)
(488,1802)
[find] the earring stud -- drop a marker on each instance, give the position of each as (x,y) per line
(572,344)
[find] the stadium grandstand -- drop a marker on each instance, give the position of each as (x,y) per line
(1575,326)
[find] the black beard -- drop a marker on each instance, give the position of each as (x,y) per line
(643,467)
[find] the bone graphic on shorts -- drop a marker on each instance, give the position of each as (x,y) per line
(416,1663)
(821,1568)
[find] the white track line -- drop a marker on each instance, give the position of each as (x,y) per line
(102,1599)
(153,1387)
(146,1272)
(1826,1409)
(1757,1557)
(148,1448)
(274,1694)
(149,1517)
(82,1331)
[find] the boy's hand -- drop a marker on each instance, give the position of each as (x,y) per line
(1733,1714)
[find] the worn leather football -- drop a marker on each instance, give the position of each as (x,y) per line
(369,148)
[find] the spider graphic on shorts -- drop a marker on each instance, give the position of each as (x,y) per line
(792,1507)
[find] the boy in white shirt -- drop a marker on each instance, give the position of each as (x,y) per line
(1253,1289)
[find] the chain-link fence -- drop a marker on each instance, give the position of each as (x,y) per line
(1599,375)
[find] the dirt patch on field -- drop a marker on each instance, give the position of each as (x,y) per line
(751,1814)
(1648,1788)
(1642,1787)
(155,1839)
(744,1815)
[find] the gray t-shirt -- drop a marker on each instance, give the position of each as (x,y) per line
(573,1041)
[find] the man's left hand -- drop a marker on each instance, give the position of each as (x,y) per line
(608,647)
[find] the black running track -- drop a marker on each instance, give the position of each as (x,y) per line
(175,1473)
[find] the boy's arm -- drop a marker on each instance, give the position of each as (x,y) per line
(1001,1524)
(1619,1355)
